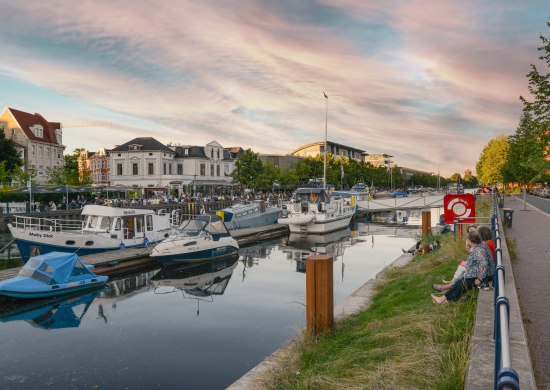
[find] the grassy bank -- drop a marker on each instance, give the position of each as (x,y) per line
(402,341)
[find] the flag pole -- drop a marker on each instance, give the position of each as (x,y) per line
(325,153)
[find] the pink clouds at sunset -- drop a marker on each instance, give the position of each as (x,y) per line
(428,82)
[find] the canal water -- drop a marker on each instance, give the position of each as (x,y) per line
(194,327)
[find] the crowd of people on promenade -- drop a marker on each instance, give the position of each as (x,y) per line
(155,199)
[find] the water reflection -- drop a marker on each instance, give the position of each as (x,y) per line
(298,247)
(200,281)
(61,312)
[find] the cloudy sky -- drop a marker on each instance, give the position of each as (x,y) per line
(430,82)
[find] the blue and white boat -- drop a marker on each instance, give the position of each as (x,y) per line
(51,275)
(204,237)
(246,215)
(102,229)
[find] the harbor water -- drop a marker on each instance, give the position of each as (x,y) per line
(199,326)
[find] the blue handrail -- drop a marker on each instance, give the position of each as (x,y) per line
(505,377)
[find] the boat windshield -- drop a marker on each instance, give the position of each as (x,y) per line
(38,270)
(191,227)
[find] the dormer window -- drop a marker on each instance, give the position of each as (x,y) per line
(135,147)
(38,131)
(186,152)
(212,153)
(218,153)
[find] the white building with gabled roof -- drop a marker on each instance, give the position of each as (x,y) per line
(39,141)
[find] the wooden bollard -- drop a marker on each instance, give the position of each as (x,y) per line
(319,293)
(426,222)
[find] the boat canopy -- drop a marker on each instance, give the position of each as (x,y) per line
(55,268)
(314,195)
(106,211)
(213,224)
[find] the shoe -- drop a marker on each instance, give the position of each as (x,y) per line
(487,288)
(404,251)
(437,287)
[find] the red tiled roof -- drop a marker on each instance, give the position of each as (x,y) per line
(26,121)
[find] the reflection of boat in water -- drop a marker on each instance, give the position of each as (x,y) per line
(314,210)
(246,215)
(103,229)
(202,279)
(203,238)
(56,313)
(299,247)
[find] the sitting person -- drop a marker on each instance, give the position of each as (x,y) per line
(419,249)
(476,270)
(487,237)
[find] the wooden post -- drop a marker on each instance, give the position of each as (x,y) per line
(319,293)
(426,222)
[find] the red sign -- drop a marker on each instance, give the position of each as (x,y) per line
(460,206)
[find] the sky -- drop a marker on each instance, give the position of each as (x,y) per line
(429,82)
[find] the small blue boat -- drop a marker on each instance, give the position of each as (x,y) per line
(51,275)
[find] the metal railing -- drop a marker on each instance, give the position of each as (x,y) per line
(505,377)
(47,224)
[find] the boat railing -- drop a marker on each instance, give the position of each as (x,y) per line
(47,224)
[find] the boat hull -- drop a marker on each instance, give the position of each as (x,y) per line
(320,227)
(197,256)
(51,293)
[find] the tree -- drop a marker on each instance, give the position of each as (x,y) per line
(247,170)
(455,177)
(56,175)
(22,176)
(492,159)
(9,153)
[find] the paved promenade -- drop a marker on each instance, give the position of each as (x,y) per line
(531,233)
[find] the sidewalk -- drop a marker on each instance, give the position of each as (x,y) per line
(531,234)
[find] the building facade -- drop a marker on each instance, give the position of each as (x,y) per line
(379,160)
(338,150)
(96,164)
(147,163)
(38,141)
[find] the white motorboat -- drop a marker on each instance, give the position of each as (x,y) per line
(102,229)
(203,238)
(315,211)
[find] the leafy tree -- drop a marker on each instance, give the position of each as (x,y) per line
(9,153)
(56,175)
(288,178)
(247,169)
(492,159)
(71,168)
(455,177)
(22,176)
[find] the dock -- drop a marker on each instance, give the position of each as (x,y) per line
(124,260)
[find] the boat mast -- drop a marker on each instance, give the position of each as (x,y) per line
(325,153)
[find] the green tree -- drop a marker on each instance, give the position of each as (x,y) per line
(56,175)
(455,177)
(247,170)
(492,159)
(22,176)
(9,153)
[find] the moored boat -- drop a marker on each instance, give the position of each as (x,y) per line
(252,214)
(102,229)
(315,211)
(204,237)
(51,275)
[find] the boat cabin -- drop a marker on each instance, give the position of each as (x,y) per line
(311,195)
(118,223)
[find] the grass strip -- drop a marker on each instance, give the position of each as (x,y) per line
(402,341)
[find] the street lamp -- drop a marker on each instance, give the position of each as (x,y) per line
(390,169)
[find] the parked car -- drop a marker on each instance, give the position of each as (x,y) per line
(545,193)
(400,194)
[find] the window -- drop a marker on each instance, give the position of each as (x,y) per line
(211,169)
(217,170)
(186,152)
(164,170)
(212,153)
(149,222)
(180,169)
(203,169)
(169,169)
(32,150)
(119,169)
(59,154)
(150,154)
(218,154)
(151,169)
(134,169)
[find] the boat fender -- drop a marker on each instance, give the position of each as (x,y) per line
(145,241)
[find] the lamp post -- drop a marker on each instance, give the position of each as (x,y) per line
(325,153)
(390,169)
